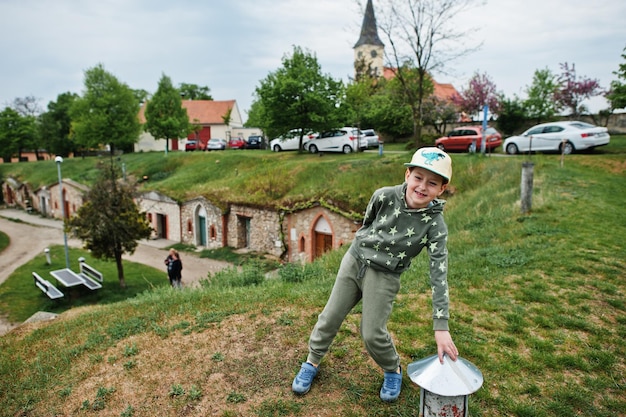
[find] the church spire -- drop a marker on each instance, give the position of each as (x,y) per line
(369,30)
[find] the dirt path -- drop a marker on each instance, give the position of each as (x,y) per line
(31,234)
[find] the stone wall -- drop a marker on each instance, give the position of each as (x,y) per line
(253,228)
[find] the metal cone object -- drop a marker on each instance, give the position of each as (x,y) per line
(452,378)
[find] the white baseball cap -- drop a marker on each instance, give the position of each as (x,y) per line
(434,160)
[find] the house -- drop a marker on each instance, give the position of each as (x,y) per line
(17,194)
(203,224)
(209,115)
(313,231)
(163,214)
(63,202)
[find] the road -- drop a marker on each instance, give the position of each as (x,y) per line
(30,234)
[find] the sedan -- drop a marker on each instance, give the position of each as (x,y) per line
(216,145)
(565,137)
(469,138)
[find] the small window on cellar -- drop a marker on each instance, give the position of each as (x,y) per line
(212,233)
(301,246)
(189,226)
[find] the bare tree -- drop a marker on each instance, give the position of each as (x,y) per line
(423,38)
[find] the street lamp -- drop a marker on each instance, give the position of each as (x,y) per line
(58,160)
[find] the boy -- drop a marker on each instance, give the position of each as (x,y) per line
(399,222)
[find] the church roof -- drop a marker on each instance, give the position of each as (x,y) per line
(369,29)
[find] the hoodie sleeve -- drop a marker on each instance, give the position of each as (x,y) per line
(438,255)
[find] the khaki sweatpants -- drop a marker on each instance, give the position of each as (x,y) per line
(357,281)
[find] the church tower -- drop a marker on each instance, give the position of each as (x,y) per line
(369,49)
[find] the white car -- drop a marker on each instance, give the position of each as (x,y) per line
(565,137)
(371,138)
(291,141)
(345,139)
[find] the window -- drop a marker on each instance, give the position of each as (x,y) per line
(302,246)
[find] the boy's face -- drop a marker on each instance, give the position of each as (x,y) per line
(423,186)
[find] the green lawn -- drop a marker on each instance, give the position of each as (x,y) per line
(537,302)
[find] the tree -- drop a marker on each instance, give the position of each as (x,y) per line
(617,94)
(28,108)
(109,222)
(357,97)
(298,95)
(166,118)
(540,104)
(480,91)
(426,29)
(512,115)
(438,113)
(194,92)
(16,133)
(9,128)
(55,125)
(572,91)
(106,113)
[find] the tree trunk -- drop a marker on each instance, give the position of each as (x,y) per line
(120,268)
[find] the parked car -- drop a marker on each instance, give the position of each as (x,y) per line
(216,144)
(371,138)
(566,137)
(465,137)
(237,143)
(290,141)
(255,142)
(191,145)
(345,139)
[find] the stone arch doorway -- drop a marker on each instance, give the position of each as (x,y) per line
(322,237)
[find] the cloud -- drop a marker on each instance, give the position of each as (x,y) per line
(230,46)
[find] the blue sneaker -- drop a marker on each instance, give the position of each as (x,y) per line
(392,385)
(302,382)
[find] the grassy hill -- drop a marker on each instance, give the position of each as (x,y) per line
(537,301)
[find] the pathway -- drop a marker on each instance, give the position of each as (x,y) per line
(30,234)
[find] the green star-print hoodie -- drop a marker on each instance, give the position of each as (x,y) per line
(393,234)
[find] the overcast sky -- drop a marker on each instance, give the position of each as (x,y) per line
(230,45)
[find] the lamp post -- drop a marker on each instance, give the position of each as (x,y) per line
(58,160)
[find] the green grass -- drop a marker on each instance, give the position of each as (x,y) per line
(537,304)
(19,298)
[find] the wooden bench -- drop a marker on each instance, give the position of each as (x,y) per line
(44,285)
(91,276)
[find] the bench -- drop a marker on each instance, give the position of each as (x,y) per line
(44,285)
(91,276)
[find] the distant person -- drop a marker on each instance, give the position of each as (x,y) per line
(399,222)
(174,268)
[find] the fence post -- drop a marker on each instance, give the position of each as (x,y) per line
(527,186)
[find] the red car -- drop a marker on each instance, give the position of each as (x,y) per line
(191,145)
(237,143)
(462,139)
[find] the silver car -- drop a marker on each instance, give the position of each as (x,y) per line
(565,137)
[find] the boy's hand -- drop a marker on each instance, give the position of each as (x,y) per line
(445,345)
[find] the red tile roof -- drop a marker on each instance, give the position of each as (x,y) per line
(206,112)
